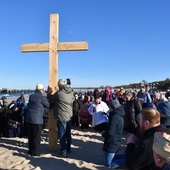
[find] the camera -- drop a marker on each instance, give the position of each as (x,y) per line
(68,81)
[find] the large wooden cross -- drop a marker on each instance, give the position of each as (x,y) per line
(53,47)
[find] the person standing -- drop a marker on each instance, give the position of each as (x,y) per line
(132,109)
(63,111)
(34,119)
(76,110)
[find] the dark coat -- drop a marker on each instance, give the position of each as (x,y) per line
(113,134)
(36,104)
(132,109)
(76,107)
(140,157)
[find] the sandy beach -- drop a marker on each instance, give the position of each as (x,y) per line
(86,153)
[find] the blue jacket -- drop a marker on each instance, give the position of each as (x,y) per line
(37,103)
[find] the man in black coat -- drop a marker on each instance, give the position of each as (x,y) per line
(132,109)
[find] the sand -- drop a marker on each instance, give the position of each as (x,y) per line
(86,153)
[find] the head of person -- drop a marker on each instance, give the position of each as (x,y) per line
(97,99)
(128,95)
(161,148)
(164,109)
(3,98)
(142,89)
(13,106)
(121,88)
(148,118)
(76,96)
(113,104)
(86,98)
(121,91)
(107,91)
(61,83)
(96,92)
(156,96)
(40,88)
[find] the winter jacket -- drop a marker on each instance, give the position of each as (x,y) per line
(114,130)
(132,109)
(85,116)
(99,113)
(140,157)
(11,117)
(36,104)
(63,104)
(76,107)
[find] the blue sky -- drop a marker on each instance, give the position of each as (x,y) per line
(129,41)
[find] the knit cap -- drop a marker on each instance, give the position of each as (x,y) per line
(161,144)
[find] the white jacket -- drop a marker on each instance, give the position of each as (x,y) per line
(97,111)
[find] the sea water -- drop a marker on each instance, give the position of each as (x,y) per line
(14,96)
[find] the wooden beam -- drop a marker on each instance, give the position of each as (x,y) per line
(53,77)
(38,47)
(62,46)
(72,46)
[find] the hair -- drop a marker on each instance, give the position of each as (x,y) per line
(75,93)
(128,93)
(150,114)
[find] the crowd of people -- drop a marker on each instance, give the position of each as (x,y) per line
(140,114)
(145,117)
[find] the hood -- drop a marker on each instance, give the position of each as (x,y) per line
(67,89)
(114,104)
(164,108)
(120,111)
(107,89)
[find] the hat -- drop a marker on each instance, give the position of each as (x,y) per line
(161,144)
(61,82)
(164,108)
(12,105)
(3,97)
(39,87)
(114,104)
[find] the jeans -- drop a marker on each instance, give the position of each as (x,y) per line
(64,134)
(112,161)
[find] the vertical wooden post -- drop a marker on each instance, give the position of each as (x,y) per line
(53,76)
